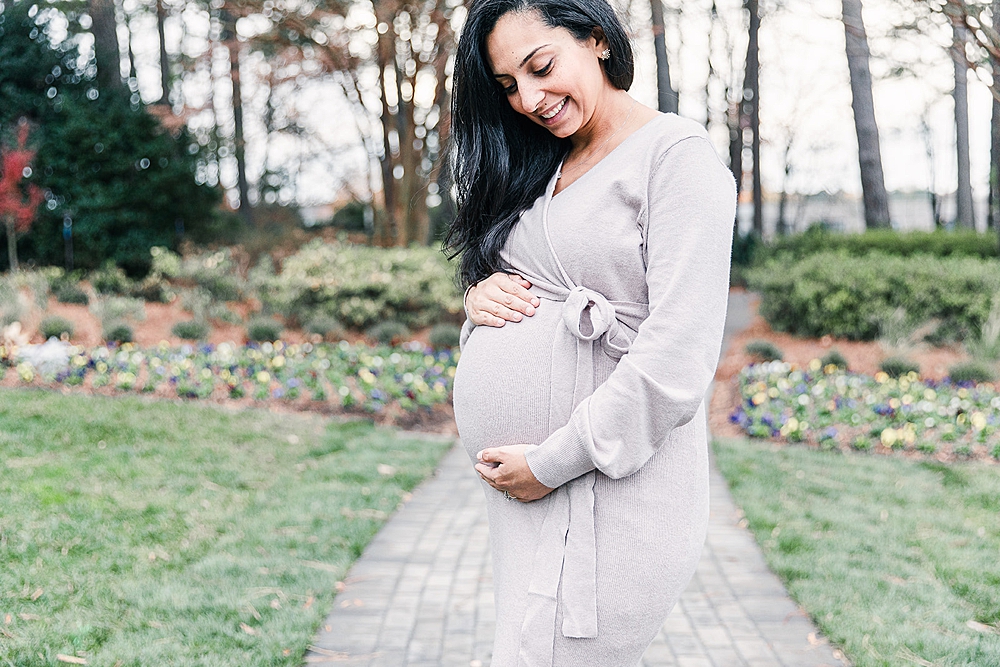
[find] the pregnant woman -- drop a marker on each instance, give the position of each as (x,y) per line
(595,238)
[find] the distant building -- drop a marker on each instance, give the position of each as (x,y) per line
(910,211)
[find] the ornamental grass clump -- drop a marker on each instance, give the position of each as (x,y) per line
(190,330)
(388,332)
(71,293)
(975,372)
(323,325)
(111,279)
(763,350)
(55,325)
(443,336)
(262,328)
(834,358)
(896,367)
(119,332)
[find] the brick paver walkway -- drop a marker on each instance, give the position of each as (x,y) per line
(421,594)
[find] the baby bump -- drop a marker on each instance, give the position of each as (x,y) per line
(501,386)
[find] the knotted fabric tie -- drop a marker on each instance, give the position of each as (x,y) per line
(567,548)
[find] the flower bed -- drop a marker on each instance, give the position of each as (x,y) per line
(350,376)
(829,407)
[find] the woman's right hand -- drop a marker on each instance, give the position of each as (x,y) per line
(499,298)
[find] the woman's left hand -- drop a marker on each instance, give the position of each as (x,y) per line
(512,474)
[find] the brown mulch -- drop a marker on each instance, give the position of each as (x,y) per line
(862,357)
(156,327)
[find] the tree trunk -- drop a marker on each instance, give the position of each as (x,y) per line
(751,109)
(667,96)
(11,243)
(105,30)
(161,17)
(231,41)
(993,210)
(965,215)
(876,199)
(386,222)
(133,79)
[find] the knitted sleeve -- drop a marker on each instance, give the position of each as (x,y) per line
(661,382)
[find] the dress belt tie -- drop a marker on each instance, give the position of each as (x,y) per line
(567,548)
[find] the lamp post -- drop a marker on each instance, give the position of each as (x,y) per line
(68,239)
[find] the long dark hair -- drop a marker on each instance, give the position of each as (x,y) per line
(502,161)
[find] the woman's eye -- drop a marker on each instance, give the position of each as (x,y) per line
(545,70)
(509,90)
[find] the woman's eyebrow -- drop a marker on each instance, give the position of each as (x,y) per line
(526,59)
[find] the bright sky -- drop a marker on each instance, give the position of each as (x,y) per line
(805,91)
(805,86)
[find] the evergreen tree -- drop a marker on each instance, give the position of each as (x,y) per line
(126,182)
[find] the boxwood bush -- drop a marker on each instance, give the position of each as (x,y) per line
(361,285)
(834,293)
(957,243)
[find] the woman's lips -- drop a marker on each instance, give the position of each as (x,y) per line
(559,115)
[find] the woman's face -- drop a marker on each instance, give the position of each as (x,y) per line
(546,73)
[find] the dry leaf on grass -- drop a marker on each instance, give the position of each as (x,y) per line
(71,659)
(980,627)
(250,631)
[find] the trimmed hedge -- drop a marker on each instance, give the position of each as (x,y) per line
(958,243)
(850,297)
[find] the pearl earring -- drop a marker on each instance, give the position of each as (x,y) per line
(605,55)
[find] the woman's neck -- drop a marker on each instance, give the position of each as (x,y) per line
(607,119)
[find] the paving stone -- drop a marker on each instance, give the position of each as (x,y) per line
(426,587)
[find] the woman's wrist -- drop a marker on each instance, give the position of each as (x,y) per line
(465,298)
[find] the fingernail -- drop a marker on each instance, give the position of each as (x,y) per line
(517,317)
(529,310)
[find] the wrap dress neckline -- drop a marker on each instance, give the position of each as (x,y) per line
(566,550)
(594,167)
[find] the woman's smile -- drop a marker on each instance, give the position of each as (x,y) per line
(556,113)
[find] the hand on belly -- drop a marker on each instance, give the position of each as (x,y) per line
(506,469)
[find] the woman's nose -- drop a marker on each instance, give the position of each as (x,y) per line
(531,99)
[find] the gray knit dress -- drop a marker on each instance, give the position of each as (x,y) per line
(608,379)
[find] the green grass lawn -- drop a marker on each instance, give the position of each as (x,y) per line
(140,533)
(898,561)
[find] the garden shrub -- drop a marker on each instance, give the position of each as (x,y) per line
(215,272)
(763,350)
(835,358)
(70,293)
(55,325)
(971,371)
(443,336)
(37,281)
(190,330)
(110,279)
(325,326)
(119,332)
(957,243)
(898,367)
(388,332)
(361,285)
(850,297)
(11,307)
(263,329)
